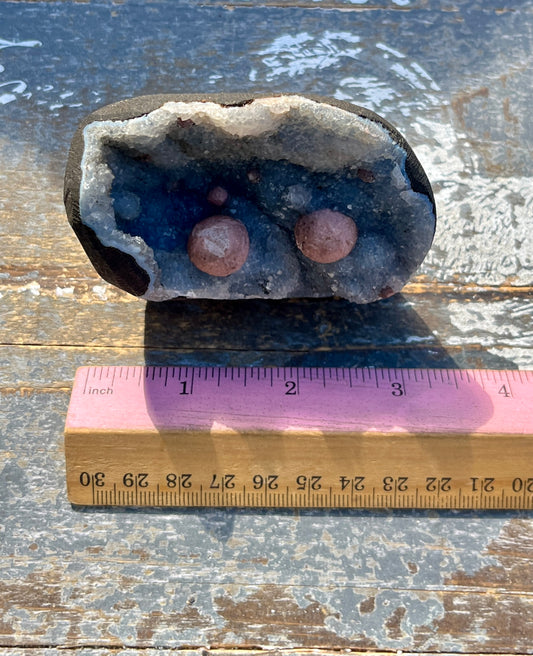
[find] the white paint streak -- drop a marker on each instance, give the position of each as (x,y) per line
(62,292)
(33,287)
(100,291)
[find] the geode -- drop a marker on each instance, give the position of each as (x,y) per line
(142,173)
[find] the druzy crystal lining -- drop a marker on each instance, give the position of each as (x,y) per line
(147,181)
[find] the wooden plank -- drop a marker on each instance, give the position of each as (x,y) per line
(91,651)
(203,651)
(455,79)
(445,329)
(129,597)
(308,579)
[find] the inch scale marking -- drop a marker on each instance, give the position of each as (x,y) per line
(300,437)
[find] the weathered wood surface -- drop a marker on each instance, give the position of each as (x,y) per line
(91,651)
(455,77)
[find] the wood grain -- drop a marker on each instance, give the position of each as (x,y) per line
(455,79)
(213,467)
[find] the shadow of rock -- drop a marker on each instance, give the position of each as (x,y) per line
(300,332)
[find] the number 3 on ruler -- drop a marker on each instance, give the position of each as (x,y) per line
(397,389)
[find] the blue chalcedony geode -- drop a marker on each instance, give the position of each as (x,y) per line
(140,173)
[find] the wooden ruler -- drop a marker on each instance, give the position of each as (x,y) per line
(300,437)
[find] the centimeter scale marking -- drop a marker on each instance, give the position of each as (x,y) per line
(288,437)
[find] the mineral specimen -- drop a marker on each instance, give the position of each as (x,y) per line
(248,197)
(218,245)
(325,236)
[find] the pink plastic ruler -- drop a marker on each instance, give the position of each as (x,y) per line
(300,437)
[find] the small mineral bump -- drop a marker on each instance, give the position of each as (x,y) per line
(127,205)
(325,236)
(365,175)
(218,245)
(254,176)
(386,292)
(297,196)
(217,196)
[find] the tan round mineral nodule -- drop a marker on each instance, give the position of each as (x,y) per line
(218,245)
(325,236)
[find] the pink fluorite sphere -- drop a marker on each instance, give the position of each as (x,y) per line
(217,196)
(218,245)
(325,236)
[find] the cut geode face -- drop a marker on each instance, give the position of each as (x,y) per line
(143,172)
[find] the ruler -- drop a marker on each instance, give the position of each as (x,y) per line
(291,437)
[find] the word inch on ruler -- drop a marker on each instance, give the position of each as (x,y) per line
(300,437)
